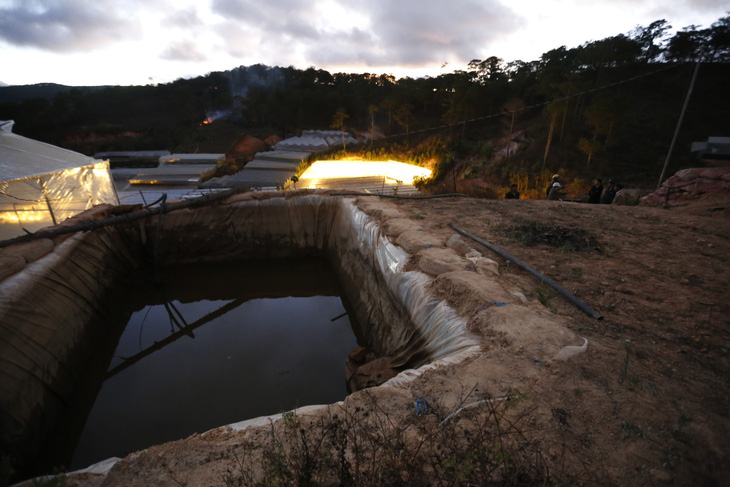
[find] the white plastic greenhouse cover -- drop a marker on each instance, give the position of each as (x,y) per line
(42,184)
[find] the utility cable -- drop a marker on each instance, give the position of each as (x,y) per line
(537,105)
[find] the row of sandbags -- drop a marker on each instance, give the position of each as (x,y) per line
(690,184)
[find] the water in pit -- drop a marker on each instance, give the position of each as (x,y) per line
(225,344)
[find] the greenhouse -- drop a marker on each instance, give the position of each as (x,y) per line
(42,184)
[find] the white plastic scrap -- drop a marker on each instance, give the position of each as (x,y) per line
(482,264)
(571,350)
(457,243)
(100,468)
(264,420)
(521,296)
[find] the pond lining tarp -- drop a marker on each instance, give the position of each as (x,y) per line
(53,311)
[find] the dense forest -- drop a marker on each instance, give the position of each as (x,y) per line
(608,108)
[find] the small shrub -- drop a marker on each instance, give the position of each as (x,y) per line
(545,294)
(474,443)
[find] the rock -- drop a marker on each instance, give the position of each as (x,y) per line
(629,197)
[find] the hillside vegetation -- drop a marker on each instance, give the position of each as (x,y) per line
(607,108)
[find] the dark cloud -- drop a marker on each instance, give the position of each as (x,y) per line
(67,26)
(273,14)
(183,51)
(272,28)
(677,5)
(416,32)
(432,30)
(673,11)
(403,33)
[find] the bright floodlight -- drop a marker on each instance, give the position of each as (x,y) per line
(356,169)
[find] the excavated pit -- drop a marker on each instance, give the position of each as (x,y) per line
(206,345)
(55,313)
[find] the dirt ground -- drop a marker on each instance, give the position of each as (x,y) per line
(648,403)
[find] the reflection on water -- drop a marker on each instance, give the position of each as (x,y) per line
(183,367)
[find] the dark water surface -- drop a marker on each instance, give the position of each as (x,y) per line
(227,343)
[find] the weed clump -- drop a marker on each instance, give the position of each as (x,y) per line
(479,443)
(567,239)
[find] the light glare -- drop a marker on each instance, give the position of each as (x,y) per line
(358,169)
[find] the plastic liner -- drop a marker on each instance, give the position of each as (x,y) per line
(398,318)
(264,420)
(441,332)
(51,313)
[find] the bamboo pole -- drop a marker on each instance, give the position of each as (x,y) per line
(126,218)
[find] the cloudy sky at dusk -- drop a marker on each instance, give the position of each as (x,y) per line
(123,42)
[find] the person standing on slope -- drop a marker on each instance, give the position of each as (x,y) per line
(553,188)
(594,194)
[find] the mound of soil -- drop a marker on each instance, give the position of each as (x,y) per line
(247,146)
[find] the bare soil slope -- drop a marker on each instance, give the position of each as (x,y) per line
(649,401)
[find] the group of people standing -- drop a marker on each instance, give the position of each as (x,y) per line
(596,194)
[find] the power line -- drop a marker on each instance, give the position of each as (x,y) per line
(537,105)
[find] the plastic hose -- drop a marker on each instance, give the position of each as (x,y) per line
(577,302)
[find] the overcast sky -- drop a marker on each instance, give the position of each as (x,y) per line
(123,42)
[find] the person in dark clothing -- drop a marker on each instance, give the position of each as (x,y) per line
(512,194)
(594,194)
(610,193)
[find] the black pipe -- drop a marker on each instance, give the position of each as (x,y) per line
(577,302)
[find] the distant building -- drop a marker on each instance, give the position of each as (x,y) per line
(42,184)
(716,150)
(314,141)
(146,158)
(213,159)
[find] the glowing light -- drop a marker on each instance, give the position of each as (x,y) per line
(26,216)
(358,169)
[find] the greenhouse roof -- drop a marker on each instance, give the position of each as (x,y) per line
(21,157)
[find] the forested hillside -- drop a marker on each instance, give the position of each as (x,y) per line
(607,108)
